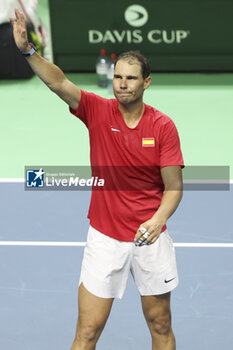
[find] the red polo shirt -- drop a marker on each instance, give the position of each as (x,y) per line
(130,161)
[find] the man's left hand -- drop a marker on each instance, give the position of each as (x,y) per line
(153,227)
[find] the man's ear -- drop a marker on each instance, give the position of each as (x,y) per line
(147,82)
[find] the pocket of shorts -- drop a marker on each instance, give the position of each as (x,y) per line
(169,239)
(94,235)
(168,249)
(96,239)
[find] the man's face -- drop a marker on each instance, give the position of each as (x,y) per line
(128,82)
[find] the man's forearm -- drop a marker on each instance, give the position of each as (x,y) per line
(55,79)
(169,203)
(173,183)
(48,72)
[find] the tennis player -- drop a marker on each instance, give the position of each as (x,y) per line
(128,230)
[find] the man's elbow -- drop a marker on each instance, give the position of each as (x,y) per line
(56,87)
(176,185)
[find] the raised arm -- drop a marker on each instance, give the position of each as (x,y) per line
(48,72)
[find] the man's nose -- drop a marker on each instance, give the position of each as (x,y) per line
(123,84)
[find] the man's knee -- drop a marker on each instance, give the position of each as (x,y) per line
(88,332)
(160,324)
(157,313)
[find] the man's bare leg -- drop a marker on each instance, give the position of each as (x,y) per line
(93,314)
(157,313)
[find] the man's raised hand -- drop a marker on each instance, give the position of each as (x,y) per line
(20,31)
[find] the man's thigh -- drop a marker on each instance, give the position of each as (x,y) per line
(93,310)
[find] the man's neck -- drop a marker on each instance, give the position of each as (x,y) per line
(132,113)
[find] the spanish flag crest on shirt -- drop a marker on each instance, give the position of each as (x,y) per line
(148,142)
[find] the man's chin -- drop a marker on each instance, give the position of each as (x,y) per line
(124,99)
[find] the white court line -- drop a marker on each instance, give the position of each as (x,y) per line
(42,244)
(12,180)
(82,244)
(204,245)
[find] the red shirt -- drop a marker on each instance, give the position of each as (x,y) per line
(133,158)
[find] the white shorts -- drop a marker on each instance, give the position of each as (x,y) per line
(107,263)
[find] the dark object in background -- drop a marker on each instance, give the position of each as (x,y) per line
(12,64)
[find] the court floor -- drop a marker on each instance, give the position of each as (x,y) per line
(38,283)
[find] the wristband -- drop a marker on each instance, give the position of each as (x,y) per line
(29,53)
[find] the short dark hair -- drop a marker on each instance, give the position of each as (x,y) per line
(131,57)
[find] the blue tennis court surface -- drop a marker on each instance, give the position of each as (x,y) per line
(38,284)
